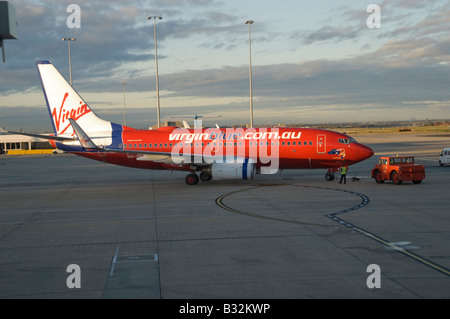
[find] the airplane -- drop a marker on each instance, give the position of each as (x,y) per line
(219,153)
(197,122)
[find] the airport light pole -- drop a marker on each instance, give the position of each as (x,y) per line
(156,64)
(70,61)
(250,22)
(124,105)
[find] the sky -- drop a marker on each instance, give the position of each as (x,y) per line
(312,61)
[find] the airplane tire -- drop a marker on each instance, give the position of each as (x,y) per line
(204,177)
(191,179)
(329,176)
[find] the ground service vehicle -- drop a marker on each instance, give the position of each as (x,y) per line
(398,169)
(444,158)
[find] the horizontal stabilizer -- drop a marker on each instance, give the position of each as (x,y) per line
(84,139)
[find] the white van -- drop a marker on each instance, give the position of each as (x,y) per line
(444,158)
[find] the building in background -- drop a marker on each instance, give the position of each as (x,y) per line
(15,143)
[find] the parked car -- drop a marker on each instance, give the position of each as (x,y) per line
(444,158)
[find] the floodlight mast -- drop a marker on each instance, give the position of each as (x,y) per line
(70,61)
(124,105)
(250,22)
(8,24)
(156,65)
(3,50)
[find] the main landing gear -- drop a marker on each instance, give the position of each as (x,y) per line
(192,179)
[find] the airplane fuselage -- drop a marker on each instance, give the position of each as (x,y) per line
(287,148)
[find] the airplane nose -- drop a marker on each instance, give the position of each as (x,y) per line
(365,152)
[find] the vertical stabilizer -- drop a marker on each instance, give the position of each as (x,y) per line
(64,102)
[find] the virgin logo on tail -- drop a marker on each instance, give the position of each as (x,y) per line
(61,117)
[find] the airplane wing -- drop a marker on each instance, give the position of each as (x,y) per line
(47,137)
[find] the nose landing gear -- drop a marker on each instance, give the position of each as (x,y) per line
(329,176)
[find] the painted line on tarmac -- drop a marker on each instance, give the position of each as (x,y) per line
(334,216)
(219,202)
(398,248)
(392,245)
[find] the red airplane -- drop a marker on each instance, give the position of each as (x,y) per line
(220,153)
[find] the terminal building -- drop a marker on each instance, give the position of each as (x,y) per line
(20,144)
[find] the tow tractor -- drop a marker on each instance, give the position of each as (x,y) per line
(398,169)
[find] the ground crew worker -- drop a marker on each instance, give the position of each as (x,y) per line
(343,174)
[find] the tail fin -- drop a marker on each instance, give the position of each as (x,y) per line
(63,102)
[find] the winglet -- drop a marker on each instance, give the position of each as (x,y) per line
(84,139)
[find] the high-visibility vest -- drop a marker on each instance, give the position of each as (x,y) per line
(343,170)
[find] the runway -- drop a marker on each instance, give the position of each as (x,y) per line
(146,234)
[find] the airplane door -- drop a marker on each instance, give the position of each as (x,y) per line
(321,143)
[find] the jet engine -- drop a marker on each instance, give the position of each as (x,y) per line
(234,170)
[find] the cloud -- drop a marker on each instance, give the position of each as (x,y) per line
(406,60)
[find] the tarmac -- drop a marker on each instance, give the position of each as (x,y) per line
(146,234)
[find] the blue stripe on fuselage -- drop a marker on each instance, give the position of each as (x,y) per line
(116,136)
(244,169)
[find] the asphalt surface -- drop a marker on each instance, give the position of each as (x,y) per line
(146,234)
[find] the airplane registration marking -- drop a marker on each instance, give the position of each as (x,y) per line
(334,216)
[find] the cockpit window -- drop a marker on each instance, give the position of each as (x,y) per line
(347,140)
